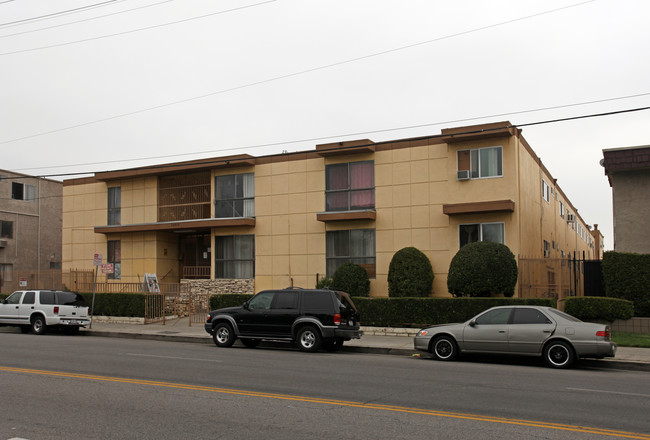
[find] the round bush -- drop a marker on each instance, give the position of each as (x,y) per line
(482,269)
(409,274)
(351,278)
(324,283)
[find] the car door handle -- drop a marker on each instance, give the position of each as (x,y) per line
(546,331)
(502,331)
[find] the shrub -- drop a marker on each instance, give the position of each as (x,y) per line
(589,308)
(409,274)
(351,278)
(627,276)
(482,269)
(116,304)
(324,283)
(228,300)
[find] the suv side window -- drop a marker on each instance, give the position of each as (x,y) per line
(14,298)
(317,302)
(47,297)
(285,300)
(29,297)
(261,301)
(70,299)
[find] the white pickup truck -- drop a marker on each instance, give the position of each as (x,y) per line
(39,309)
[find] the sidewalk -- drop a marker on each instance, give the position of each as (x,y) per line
(376,340)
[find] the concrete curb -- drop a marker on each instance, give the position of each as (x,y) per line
(585,363)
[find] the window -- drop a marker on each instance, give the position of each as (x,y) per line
(494,317)
(546,191)
(471,233)
(350,186)
(6,229)
(547,249)
(316,302)
(115,205)
(14,298)
(234,196)
(235,256)
(481,162)
(285,301)
(6,271)
(115,257)
(20,191)
(261,301)
(353,246)
(29,298)
(561,209)
(529,316)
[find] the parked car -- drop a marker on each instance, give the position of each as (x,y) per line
(37,310)
(520,330)
(312,318)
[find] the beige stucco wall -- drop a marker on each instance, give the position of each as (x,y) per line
(631,191)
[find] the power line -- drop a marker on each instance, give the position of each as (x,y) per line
(54,14)
(345,135)
(216,161)
(101,37)
(86,19)
(277,78)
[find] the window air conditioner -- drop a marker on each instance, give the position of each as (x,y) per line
(3,243)
(463,175)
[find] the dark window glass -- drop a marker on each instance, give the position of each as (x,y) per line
(498,316)
(235,256)
(6,229)
(29,298)
(70,299)
(14,298)
(317,302)
(529,316)
(286,300)
(115,257)
(261,301)
(234,196)
(47,298)
(17,191)
(350,186)
(354,246)
(115,206)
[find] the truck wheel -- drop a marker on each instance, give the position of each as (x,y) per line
(223,335)
(38,325)
(308,339)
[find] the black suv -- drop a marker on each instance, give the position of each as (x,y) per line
(312,318)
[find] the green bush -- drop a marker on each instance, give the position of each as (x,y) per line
(421,312)
(409,274)
(3,296)
(116,304)
(627,276)
(324,283)
(589,308)
(228,300)
(351,278)
(482,269)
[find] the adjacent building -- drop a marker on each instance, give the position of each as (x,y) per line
(30,232)
(251,223)
(628,172)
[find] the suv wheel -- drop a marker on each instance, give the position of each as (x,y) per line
(38,325)
(223,335)
(308,339)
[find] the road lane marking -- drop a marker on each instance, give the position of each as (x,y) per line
(609,392)
(345,403)
(169,357)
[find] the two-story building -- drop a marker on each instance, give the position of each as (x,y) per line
(273,221)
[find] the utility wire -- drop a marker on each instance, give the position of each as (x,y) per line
(101,37)
(277,78)
(215,161)
(86,19)
(54,14)
(345,135)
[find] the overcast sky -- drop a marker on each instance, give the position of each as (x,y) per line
(127,83)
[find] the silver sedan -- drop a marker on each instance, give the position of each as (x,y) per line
(520,330)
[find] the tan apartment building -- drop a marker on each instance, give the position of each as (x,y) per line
(30,232)
(287,219)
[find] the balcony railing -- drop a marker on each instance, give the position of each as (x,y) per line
(196,272)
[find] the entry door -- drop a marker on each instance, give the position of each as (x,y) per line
(10,308)
(26,307)
(529,329)
(489,332)
(254,319)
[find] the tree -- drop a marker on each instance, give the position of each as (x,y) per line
(409,274)
(483,269)
(351,278)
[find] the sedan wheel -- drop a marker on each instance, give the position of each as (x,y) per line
(223,335)
(559,354)
(444,348)
(308,339)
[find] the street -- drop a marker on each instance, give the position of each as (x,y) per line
(58,386)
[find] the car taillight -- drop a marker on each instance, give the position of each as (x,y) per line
(56,310)
(208,320)
(605,334)
(337,319)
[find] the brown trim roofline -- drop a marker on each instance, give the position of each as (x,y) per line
(177,226)
(479,207)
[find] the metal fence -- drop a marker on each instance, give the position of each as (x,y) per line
(556,278)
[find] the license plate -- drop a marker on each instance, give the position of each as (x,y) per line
(351,323)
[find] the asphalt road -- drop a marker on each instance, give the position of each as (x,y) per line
(58,386)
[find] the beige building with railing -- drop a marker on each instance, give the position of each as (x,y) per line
(288,219)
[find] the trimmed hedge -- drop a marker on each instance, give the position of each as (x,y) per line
(627,276)
(351,278)
(590,308)
(116,304)
(410,274)
(229,300)
(420,312)
(482,269)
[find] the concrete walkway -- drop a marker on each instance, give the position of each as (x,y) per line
(376,340)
